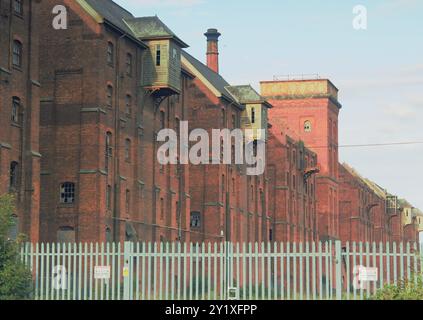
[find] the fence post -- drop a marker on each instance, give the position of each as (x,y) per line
(338,269)
(127,273)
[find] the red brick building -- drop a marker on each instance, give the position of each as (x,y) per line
(19,112)
(310,109)
(226,203)
(101,179)
(81,109)
(291,169)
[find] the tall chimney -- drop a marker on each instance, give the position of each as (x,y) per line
(213,49)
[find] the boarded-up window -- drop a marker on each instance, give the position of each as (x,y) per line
(66,235)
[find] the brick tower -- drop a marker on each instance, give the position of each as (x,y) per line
(310,108)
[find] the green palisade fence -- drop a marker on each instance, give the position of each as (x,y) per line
(216,271)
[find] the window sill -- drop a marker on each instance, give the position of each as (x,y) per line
(18,15)
(111,65)
(15,124)
(17,68)
(66,205)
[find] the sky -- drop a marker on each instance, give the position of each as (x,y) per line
(378,71)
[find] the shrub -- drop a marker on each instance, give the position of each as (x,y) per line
(15,277)
(404,290)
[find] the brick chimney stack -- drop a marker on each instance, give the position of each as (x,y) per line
(213,49)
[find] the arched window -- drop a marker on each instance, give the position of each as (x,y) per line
(110,96)
(110,53)
(17,54)
(162,120)
(128,201)
(16,105)
(307,126)
(128,150)
(14,172)
(128,105)
(67,192)
(129,64)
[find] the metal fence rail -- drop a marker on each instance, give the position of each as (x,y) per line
(216,271)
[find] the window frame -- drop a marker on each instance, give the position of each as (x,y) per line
(18,4)
(16,106)
(17,54)
(67,193)
(110,53)
(14,176)
(129,64)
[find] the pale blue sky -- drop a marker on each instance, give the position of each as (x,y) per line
(379,72)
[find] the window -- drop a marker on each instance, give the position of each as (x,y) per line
(128,150)
(110,96)
(14,228)
(109,237)
(110,53)
(17,54)
(129,64)
(109,197)
(195,221)
(253,115)
(18,7)
(162,119)
(14,171)
(127,201)
(66,235)
(158,55)
(16,104)
(67,193)
(108,150)
(307,126)
(161,208)
(128,105)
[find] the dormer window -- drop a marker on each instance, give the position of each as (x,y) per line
(253,115)
(307,126)
(158,55)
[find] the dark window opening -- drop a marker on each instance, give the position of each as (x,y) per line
(253,115)
(158,55)
(109,96)
(195,221)
(110,53)
(67,193)
(18,7)
(128,105)
(129,64)
(16,105)
(14,171)
(17,54)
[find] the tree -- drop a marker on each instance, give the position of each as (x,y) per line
(15,276)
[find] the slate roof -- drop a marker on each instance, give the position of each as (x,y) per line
(152,27)
(113,13)
(246,94)
(214,78)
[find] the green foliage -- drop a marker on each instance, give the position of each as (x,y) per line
(405,290)
(15,277)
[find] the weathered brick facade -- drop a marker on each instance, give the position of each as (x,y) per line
(292,199)
(19,111)
(310,109)
(80,111)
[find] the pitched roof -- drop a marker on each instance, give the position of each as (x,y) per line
(152,27)
(215,79)
(112,12)
(246,94)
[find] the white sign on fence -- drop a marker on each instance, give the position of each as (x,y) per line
(102,272)
(368,274)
